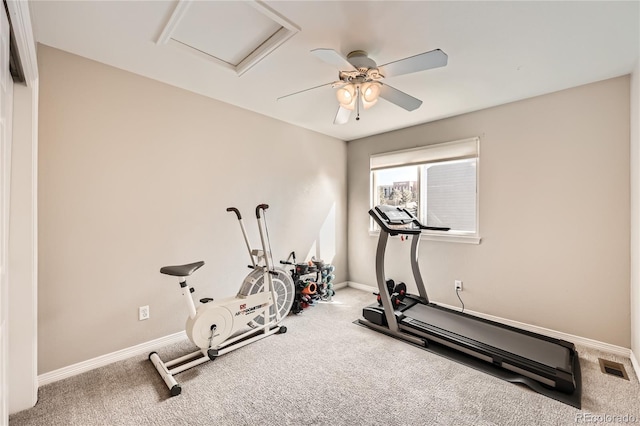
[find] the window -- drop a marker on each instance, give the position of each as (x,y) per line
(437,183)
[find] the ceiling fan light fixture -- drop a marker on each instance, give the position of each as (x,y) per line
(370,92)
(366,104)
(347,96)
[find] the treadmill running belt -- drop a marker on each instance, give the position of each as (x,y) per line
(541,351)
(572,399)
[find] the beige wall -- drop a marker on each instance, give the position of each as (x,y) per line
(554,213)
(135,174)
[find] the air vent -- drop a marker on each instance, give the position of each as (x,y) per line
(613,368)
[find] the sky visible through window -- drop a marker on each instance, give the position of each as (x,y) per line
(399,174)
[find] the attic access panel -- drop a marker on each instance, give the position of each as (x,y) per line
(233,34)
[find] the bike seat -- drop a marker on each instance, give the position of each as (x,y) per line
(181,270)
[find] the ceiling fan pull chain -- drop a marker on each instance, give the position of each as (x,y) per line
(357,102)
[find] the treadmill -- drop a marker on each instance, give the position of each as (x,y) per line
(530,358)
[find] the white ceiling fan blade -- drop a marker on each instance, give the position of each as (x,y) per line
(332,57)
(342,116)
(399,98)
(424,61)
(305,90)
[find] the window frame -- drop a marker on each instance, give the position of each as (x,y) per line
(427,154)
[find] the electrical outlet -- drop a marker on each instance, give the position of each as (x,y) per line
(143,312)
(458,284)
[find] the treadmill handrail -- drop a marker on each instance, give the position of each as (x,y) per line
(407,223)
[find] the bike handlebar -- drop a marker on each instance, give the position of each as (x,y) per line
(257,267)
(235,210)
(260,206)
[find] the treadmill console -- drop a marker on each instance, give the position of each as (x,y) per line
(398,220)
(395,215)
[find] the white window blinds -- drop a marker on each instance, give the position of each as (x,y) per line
(457,150)
(451,195)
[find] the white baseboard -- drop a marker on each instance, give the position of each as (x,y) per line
(363,287)
(635,364)
(101,361)
(343,284)
(578,340)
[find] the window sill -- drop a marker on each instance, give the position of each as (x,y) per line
(449,238)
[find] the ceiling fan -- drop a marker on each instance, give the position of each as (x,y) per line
(359,79)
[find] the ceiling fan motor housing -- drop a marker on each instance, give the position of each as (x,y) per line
(360,60)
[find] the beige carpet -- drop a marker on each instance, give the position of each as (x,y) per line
(325,371)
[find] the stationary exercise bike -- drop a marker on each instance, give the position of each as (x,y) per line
(216,328)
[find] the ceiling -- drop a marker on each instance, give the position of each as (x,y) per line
(499,52)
